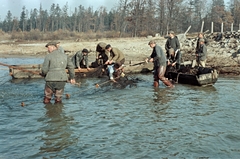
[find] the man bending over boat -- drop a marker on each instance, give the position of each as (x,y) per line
(158,58)
(115,56)
(80,59)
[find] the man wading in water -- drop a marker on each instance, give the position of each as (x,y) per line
(158,57)
(53,69)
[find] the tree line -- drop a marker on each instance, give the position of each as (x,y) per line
(129,18)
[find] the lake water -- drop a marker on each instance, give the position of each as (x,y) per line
(106,122)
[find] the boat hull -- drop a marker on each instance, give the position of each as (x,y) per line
(202,76)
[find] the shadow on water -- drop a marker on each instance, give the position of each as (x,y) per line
(57,132)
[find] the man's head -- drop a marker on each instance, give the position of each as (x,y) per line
(58,43)
(51,46)
(108,47)
(200,35)
(152,43)
(171,33)
(201,41)
(85,51)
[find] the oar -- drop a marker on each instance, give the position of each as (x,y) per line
(20,68)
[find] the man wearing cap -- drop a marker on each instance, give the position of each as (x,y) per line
(115,56)
(201,36)
(53,69)
(201,53)
(101,56)
(159,60)
(172,43)
(80,59)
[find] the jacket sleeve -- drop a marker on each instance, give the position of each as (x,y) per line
(177,44)
(204,52)
(78,58)
(159,52)
(167,45)
(45,65)
(86,61)
(178,57)
(70,68)
(117,53)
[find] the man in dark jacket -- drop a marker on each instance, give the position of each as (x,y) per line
(201,36)
(53,68)
(172,42)
(201,53)
(80,59)
(159,59)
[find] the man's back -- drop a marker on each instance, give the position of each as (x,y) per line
(54,66)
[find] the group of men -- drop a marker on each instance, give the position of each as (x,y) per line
(112,59)
(163,62)
(55,63)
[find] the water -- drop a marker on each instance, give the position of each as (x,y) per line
(133,122)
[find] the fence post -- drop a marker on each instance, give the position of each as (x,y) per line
(222,28)
(202,26)
(212,27)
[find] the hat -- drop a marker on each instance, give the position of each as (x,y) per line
(201,40)
(152,42)
(85,50)
(51,43)
(171,32)
(108,46)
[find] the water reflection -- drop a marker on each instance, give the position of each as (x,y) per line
(162,96)
(161,100)
(57,132)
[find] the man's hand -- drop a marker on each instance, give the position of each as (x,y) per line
(110,62)
(107,62)
(173,64)
(72,81)
(146,60)
(79,69)
(88,69)
(151,60)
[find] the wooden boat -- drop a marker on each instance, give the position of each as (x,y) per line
(199,76)
(33,70)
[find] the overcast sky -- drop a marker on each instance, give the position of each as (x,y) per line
(15,6)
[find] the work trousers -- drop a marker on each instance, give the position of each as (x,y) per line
(54,88)
(159,75)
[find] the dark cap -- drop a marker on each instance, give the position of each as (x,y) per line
(51,43)
(171,32)
(108,46)
(152,42)
(85,50)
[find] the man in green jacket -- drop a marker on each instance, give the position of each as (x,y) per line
(115,56)
(53,68)
(80,59)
